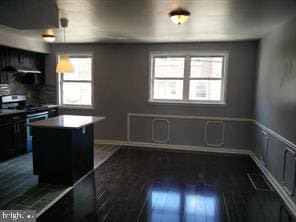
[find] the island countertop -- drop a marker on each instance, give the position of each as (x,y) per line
(67,121)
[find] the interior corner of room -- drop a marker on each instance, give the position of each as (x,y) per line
(148,110)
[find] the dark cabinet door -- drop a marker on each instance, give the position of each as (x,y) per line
(8,132)
(2,142)
(20,138)
(13,139)
(2,58)
(13,57)
(4,78)
(27,59)
(2,65)
(31,60)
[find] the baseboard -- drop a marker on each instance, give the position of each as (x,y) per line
(111,142)
(276,185)
(174,147)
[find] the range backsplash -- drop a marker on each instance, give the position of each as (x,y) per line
(36,94)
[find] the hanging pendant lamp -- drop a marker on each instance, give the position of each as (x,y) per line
(64,65)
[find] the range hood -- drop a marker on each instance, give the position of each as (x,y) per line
(20,69)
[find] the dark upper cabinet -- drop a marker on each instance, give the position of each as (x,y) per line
(4,77)
(17,57)
(2,57)
(28,59)
(22,58)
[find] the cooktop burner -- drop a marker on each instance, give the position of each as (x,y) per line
(35,108)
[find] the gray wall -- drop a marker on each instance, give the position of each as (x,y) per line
(275,106)
(121,82)
(276,81)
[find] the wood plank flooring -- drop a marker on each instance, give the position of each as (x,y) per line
(19,188)
(103,152)
(16,176)
(137,184)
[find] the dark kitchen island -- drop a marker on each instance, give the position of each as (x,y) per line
(63,148)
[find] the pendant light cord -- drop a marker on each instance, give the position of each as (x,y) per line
(64,34)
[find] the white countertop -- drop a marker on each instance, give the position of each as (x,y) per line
(10,111)
(67,121)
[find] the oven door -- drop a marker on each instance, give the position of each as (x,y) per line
(30,119)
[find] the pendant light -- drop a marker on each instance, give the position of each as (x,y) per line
(179,16)
(64,65)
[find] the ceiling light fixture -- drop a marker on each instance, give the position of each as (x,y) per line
(179,16)
(64,65)
(49,35)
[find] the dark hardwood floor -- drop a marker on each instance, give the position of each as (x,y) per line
(151,185)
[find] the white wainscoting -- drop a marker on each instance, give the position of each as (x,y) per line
(199,140)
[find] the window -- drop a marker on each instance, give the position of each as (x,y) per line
(75,89)
(188,78)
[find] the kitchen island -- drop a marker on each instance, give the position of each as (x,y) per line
(63,148)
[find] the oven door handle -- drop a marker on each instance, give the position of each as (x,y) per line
(37,114)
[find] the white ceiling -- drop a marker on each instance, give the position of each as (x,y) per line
(148,21)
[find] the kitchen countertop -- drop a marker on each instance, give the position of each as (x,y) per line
(4,112)
(67,121)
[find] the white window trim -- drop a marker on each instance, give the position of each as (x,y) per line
(58,76)
(187,55)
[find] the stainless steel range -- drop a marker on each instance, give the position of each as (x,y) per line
(33,117)
(34,112)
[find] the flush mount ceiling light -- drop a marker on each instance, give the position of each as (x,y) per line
(64,65)
(49,35)
(179,16)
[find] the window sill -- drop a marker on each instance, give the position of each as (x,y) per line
(76,107)
(176,103)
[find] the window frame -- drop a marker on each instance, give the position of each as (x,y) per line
(60,81)
(186,79)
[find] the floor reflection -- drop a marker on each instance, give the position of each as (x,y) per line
(84,203)
(165,202)
(177,203)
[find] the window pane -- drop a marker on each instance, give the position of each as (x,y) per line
(82,68)
(168,89)
(76,93)
(205,90)
(169,67)
(206,67)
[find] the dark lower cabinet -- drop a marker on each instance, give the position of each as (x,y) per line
(62,155)
(12,138)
